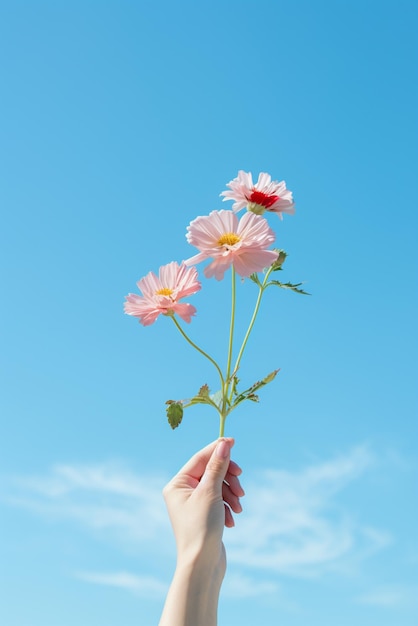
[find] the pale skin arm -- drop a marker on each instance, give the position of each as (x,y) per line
(200,499)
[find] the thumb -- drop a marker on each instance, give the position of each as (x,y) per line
(218,464)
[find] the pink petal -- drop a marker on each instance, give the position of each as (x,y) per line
(254,261)
(218,267)
(242,188)
(185,311)
(149,284)
(180,280)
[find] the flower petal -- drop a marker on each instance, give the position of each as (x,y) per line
(265,195)
(161,294)
(222,237)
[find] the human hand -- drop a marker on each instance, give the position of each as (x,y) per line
(200,500)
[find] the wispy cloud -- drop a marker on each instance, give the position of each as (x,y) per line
(139,585)
(292,522)
(391,596)
(239,586)
(293,525)
(105,497)
(235,586)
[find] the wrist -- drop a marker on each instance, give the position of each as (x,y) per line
(203,565)
(193,596)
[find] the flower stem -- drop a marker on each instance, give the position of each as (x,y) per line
(225,388)
(222,425)
(231,327)
(187,338)
(255,313)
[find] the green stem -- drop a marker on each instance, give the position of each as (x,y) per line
(222,425)
(255,313)
(199,350)
(225,389)
(231,327)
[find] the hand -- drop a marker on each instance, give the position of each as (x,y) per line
(200,501)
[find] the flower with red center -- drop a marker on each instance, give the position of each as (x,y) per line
(265,195)
(161,294)
(229,241)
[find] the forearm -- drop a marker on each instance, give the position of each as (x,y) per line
(193,596)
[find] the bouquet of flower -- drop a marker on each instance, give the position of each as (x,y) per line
(241,245)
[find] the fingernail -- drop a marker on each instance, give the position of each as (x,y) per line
(222,449)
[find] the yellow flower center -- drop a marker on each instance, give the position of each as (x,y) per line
(228,239)
(165,291)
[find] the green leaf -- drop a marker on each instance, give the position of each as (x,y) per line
(291,286)
(277,265)
(249,394)
(204,391)
(174,413)
(264,381)
(202,397)
(270,377)
(255,279)
(217,398)
(235,382)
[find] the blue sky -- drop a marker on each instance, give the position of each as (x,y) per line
(121,122)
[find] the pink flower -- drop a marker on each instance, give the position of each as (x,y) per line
(229,241)
(161,294)
(265,195)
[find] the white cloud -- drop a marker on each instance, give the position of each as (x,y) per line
(391,596)
(291,522)
(240,586)
(235,585)
(105,497)
(140,585)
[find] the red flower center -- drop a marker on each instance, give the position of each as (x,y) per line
(258,197)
